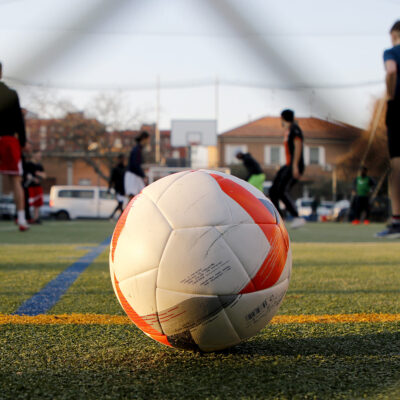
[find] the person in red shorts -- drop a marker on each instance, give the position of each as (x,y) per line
(12,141)
(34,177)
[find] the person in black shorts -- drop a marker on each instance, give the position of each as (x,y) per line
(363,185)
(34,177)
(392,65)
(117,183)
(290,173)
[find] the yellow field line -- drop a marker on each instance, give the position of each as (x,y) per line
(100,319)
(334,319)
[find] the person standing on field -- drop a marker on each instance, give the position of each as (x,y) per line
(12,141)
(290,173)
(363,186)
(391,59)
(135,176)
(34,178)
(117,183)
(255,175)
(25,155)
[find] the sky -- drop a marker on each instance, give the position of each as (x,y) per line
(233,60)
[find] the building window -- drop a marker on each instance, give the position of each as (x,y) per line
(230,153)
(118,143)
(43,138)
(274,155)
(315,155)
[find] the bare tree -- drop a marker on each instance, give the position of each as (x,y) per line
(95,138)
(113,109)
(48,103)
(370,149)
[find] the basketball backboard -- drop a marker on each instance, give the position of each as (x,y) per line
(193,132)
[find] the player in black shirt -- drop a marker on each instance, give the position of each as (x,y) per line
(135,179)
(290,173)
(117,182)
(255,174)
(12,124)
(391,59)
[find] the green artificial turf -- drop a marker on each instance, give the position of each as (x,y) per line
(25,269)
(329,278)
(344,278)
(336,232)
(52,232)
(91,293)
(331,275)
(335,361)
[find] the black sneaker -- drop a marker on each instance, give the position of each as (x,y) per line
(391,232)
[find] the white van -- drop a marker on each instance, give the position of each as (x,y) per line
(71,202)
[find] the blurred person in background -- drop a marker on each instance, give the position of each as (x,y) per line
(292,171)
(117,183)
(363,186)
(391,59)
(12,141)
(135,178)
(314,207)
(34,177)
(255,175)
(26,154)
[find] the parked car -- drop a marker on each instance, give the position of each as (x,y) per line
(45,210)
(304,207)
(71,202)
(341,210)
(7,207)
(325,209)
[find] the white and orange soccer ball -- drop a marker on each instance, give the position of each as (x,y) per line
(200,260)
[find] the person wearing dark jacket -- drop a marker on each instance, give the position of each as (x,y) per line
(255,174)
(135,176)
(117,183)
(12,124)
(290,173)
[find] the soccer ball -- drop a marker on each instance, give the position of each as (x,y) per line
(200,260)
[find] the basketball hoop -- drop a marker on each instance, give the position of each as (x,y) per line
(187,133)
(196,136)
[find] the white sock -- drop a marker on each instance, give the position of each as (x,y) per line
(21,217)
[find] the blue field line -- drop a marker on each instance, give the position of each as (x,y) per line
(45,299)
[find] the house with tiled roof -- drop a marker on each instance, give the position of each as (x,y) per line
(324,143)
